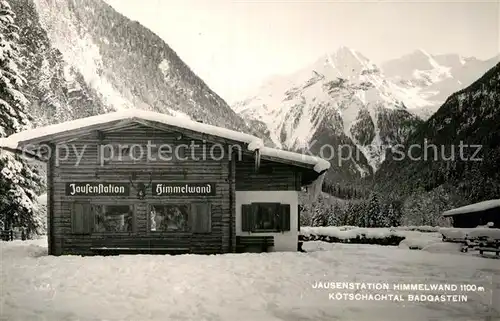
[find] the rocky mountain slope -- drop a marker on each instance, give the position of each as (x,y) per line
(469,118)
(435,77)
(83,58)
(346,102)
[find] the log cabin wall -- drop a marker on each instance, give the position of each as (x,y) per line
(271,176)
(63,240)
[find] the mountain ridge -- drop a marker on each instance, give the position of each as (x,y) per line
(470,117)
(357,98)
(85,58)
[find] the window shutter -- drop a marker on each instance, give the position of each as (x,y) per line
(193,217)
(77,218)
(298,218)
(88,218)
(133,218)
(285,217)
(201,214)
(246,217)
(81,218)
(96,211)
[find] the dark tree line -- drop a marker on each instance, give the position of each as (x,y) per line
(421,208)
(370,212)
(344,192)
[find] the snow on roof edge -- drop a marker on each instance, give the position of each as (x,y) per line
(6,143)
(320,164)
(471,208)
(254,143)
(131,114)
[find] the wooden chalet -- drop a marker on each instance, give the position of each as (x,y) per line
(478,214)
(142,182)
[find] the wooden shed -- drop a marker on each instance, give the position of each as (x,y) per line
(478,214)
(136,181)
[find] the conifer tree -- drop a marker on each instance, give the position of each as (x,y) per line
(320,215)
(18,181)
(373,213)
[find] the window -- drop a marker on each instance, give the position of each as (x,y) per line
(113,218)
(265,217)
(169,218)
(195,218)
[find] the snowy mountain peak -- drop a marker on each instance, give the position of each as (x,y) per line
(451,60)
(348,62)
(417,65)
(343,95)
(344,98)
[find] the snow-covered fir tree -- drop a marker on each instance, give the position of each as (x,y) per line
(354,214)
(18,181)
(390,215)
(337,215)
(320,214)
(332,213)
(373,214)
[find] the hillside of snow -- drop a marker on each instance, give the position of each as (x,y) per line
(346,99)
(435,76)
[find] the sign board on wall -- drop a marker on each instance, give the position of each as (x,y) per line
(97,189)
(183,189)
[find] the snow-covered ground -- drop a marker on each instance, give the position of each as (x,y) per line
(246,287)
(462,233)
(414,237)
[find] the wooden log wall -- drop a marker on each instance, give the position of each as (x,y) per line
(271,176)
(90,169)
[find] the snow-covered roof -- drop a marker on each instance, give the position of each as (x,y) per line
(128,114)
(477,207)
(16,141)
(319,164)
(8,143)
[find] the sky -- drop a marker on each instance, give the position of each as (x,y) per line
(234,46)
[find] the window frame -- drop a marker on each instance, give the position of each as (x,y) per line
(151,205)
(275,228)
(282,219)
(105,205)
